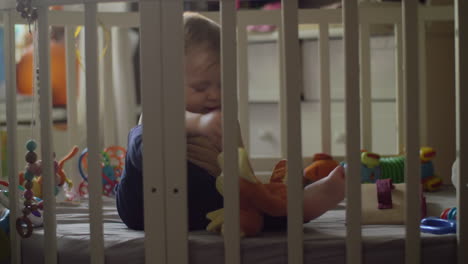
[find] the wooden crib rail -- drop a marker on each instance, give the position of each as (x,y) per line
(165,186)
(10,81)
(353,142)
(231,137)
(461,68)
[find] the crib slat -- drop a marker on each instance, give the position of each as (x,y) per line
(154,191)
(72,99)
(243,83)
(175,146)
(399,89)
(366,92)
(461,68)
(412,166)
(422,79)
(45,115)
(230,131)
(92,130)
(293,129)
(283,96)
(353,184)
(319,16)
(107,100)
(325,98)
(10,84)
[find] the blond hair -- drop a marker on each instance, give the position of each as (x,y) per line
(201,32)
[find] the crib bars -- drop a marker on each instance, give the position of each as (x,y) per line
(461,68)
(162,89)
(353,142)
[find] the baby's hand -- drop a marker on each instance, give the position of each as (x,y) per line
(210,126)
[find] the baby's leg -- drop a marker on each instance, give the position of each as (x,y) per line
(324,194)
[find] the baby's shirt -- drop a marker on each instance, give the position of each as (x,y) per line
(129,193)
(202,194)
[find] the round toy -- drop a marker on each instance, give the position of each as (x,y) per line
(449,214)
(112,164)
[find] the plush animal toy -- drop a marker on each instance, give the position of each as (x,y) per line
(322,165)
(256,198)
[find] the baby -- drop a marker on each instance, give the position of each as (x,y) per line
(204,141)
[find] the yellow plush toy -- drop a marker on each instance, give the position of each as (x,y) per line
(256,198)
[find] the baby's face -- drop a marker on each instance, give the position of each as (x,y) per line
(202,82)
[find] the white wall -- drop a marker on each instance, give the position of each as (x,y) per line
(264,94)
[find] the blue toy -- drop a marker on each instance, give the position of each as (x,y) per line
(438,226)
(112,164)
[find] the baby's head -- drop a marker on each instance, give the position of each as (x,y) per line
(202,64)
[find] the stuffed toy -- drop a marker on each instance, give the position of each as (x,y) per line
(256,198)
(322,165)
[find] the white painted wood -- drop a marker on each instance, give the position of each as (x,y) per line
(461,67)
(175,146)
(10,84)
(436,13)
(154,189)
(366,91)
(69,2)
(72,101)
(389,13)
(412,166)
(92,130)
(45,112)
(243,83)
(283,96)
(319,16)
(373,15)
(400,96)
(353,184)
(292,111)
(230,132)
(7,4)
(106,87)
(325,99)
(422,80)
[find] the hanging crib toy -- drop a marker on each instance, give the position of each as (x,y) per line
(31,179)
(112,164)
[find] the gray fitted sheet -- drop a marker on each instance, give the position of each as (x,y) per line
(324,240)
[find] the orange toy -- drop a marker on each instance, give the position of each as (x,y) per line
(256,198)
(321,166)
(24,73)
(61,177)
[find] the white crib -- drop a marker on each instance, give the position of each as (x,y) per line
(160,22)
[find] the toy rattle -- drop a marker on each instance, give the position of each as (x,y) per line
(112,164)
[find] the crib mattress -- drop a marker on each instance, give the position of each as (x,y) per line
(324,240)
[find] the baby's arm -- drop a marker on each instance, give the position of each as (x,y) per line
(325,194)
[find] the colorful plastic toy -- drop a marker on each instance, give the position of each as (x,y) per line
(438,226)
(35,168)
(449,214)
(112,164)
(375,167)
